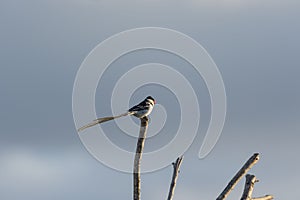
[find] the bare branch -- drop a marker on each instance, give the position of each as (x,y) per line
(249,185)
(176,167)
(138,157)
(267,197)
(251,161)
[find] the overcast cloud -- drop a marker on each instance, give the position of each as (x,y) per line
(255,44)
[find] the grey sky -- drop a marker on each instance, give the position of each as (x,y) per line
(255,44)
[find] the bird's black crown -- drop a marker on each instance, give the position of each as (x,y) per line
(149,97)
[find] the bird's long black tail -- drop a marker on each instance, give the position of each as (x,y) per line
(103,119)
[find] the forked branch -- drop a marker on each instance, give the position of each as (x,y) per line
(249,185)
(176,168)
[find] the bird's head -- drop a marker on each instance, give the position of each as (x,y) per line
(151,99)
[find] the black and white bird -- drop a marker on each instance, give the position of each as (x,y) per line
(140,110)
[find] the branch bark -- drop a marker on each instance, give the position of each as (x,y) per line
(138,157)
(267,197)
(249,185)
(251,161)
(176,167)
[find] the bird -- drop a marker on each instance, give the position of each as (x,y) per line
(143,109)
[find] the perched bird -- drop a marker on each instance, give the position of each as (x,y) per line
(140,110)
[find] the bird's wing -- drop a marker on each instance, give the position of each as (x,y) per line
(141,106)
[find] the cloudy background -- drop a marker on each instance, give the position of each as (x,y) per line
(255,44)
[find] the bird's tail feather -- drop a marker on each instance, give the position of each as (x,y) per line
(103,119)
